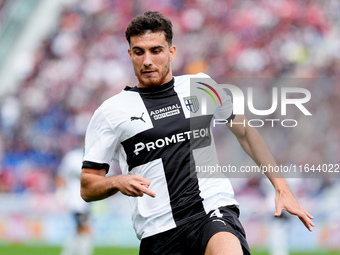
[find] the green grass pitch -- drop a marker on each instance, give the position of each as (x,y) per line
(46,250)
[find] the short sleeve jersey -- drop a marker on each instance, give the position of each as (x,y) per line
(162,134)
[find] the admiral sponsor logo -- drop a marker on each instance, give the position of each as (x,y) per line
(165,112)
(177,138)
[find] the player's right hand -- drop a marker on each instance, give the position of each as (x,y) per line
(133,185)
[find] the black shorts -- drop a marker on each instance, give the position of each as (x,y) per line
(192,238)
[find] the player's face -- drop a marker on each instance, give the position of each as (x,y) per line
(151,55)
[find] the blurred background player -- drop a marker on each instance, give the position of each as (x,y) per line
(68,192)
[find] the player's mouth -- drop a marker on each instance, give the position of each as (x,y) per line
(148,72)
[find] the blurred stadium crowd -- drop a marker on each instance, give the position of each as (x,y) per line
(85,61)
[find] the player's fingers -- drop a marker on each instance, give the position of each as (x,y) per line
(140,186)
(278,211)
(305,215)
(307,222)
(144,186)
(308,215)
(147,191)
(142,180)
(134,192)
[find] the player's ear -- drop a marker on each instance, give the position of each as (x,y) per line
(129,51)
(172,52)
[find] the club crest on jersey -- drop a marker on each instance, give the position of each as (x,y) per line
(192,103)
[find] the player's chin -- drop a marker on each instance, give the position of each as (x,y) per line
(151,81)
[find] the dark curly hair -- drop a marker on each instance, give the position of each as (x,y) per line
(153,21)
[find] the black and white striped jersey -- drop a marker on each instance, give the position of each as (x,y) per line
(161,134)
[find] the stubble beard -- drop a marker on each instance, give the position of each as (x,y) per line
(154,82)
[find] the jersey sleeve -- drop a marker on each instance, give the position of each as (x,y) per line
(100,143)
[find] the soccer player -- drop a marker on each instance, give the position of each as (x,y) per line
(154,132)
(68,185)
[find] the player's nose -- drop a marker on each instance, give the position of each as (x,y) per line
(147,61)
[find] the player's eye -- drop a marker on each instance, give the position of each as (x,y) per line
(138,53)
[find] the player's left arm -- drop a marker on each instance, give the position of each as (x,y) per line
(253,144)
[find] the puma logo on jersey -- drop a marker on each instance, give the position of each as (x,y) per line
(138,118)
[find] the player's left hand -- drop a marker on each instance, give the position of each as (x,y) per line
(285,200)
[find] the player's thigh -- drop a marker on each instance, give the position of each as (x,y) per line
(223,243)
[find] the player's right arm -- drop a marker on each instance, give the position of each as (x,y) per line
(96,186)
(101,141)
